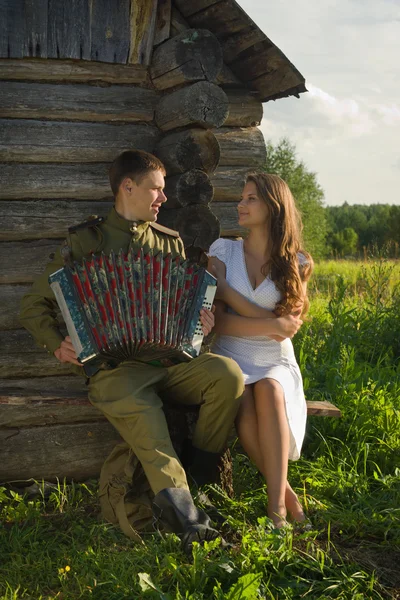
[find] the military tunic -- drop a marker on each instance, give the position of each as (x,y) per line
(129,395)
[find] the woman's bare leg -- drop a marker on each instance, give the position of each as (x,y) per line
(247,430)
(273,436)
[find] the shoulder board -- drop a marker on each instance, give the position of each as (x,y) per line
(166,230)
(91,221)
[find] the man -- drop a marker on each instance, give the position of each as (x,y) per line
(129,394)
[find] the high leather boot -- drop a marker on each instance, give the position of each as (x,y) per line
(201,465)
(175,510)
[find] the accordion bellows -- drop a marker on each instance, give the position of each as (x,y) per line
(141,305)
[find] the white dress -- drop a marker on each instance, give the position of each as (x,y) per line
(261,357)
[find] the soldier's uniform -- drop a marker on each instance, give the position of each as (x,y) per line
(129,394)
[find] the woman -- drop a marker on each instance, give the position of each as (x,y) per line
(266,276)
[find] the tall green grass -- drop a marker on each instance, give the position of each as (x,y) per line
(348,479)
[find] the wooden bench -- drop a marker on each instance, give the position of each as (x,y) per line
(49,429)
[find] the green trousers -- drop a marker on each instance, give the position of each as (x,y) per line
(129,396)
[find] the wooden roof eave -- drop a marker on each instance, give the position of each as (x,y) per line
(248,52)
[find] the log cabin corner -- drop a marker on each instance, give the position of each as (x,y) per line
(81,82)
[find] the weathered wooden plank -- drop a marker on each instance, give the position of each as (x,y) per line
(74,451)
(12,28)
(35,28)
(227,215)
(203,104)
(245,108)
(68,33)
(10,296)
(76,102)
(28,140)
(194,6)
(37,219)
(47,412)
(72,71)
(178,22)
(235,44)
(142,26)
(243,146)
(163,21)
(222,18)
(191,187)
(20,357)
(193,55)
(225,212)
(322,408)
(38,389)
(266,59)
(86,181)
(189,149)
(110,35)
(227,78)
(22,262)
(228,183)
(197,225)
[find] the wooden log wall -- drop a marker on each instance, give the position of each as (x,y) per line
(210,125)
(64,115)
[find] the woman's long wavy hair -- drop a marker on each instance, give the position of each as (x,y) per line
(284,228)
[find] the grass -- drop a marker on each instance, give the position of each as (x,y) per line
(348,478)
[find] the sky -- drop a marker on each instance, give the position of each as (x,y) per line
(347,127)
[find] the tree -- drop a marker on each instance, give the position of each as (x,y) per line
(282,160)
(345,241)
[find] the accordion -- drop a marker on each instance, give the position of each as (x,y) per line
(142,305)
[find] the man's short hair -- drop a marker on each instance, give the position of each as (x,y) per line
(134,164)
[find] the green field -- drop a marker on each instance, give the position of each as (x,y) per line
(348,478)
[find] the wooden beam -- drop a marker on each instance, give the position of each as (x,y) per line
(68,33)
(76,102)
(72,71)
(322,408)
(11,296)
(228,183)
(163,21)
(21,358)
(194,6)
(192,187)
(12,31)
(74,451)
(222,18)
(193,55)
(35,28)
(203,104)
(235,44)
(194,148)
(245,108)
(28,140)
(21,262)
(266,63)
(109,31)
(142,26)
(242,146)
(37,219)
(227,215)
(85,181)
(178,22)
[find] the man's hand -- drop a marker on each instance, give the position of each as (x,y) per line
(288,325)
(66,353)
(207,320)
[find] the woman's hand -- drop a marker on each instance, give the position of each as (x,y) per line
(287,326)
(218,269)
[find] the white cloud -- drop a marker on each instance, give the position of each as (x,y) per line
(347,128)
